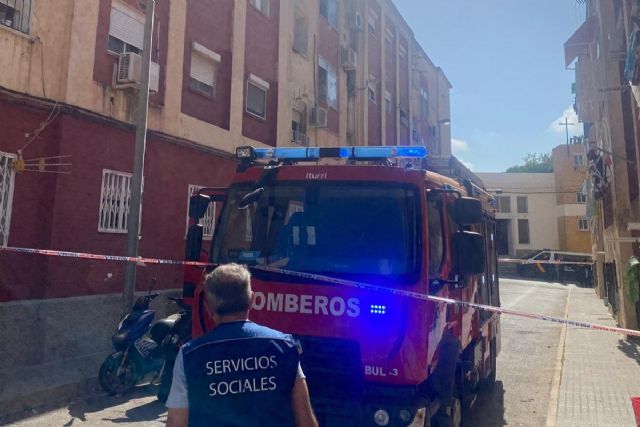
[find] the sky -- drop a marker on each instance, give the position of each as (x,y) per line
(505,61)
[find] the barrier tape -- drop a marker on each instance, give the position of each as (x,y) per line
(336,281)
(416,295)
(85,255)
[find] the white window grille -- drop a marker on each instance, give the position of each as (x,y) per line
(7,176)
(208,221)
(578,160)
(115,198)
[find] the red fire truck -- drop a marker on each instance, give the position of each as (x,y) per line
(371,358)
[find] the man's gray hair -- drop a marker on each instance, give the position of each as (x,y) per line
(228,289)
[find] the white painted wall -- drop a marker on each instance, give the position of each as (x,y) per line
(542,210)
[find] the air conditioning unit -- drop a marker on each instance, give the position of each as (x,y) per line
(130,71)
(318,117)
(349,58)
(357,23)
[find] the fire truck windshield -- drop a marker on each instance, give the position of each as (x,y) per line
(350,230)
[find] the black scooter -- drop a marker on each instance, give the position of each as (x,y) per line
(144,352)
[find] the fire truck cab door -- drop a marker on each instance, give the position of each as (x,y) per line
(437,262)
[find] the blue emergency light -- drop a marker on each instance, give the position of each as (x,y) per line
(315,153)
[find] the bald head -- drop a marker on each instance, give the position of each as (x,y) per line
(228,289)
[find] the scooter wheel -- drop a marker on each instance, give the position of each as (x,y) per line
(117,377)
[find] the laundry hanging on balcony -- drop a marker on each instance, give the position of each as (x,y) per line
(631,69)
(599,172)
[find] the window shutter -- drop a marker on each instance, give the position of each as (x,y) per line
(202,69)
(127,27)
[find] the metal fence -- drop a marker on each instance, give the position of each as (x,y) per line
(16,14)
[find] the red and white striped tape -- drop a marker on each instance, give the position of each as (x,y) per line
(85,255)
(336,281)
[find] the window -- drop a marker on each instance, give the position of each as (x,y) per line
(402,52)
(208,221)
(257,97)
(436,241)
(329,11)
(15,14)
(261,5)
(371,94)
(544,256)
(115,197)
(503,204)
(523,205)
(388,38)
(373,22)
(300,34)
(7,175)
(327,83)
(388,105)
(581,198)
(404,117)
(424,103)
(583,224)
(578,160)
(126,30)
(351,231)
(204,63)
(298,128)
(523,231)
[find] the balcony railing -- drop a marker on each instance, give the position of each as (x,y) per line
(16,14)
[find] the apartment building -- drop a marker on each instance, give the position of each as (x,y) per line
(523,203)
(537,211)
(224,74)
(605,52)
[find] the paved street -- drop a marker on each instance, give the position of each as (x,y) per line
(547,374)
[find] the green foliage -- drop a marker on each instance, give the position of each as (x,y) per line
(536,163)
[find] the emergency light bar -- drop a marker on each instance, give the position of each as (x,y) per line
(315,153)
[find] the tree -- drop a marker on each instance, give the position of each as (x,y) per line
(536,163)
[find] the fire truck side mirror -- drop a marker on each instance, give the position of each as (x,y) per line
(194,242)
(198,205)
(468,253)
(467,211)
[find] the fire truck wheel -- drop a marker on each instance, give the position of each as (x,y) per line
(448,417)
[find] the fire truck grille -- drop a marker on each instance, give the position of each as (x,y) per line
(334,375)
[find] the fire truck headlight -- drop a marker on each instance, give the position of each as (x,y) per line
(381,417)
(405,415)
